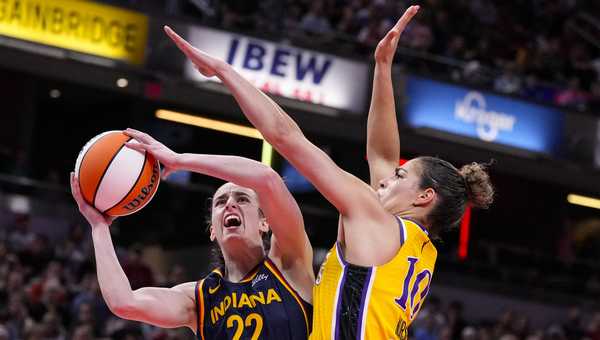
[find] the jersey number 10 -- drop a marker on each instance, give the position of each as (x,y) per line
(414,290)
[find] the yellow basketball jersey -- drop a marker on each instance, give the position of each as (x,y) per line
(390,295)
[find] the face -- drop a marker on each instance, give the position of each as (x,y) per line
(398,192)
(235,217)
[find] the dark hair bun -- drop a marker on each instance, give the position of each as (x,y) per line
(479,187)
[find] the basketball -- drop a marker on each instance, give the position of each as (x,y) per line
(115,179)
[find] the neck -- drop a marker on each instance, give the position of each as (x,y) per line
(415,216)
(240,260)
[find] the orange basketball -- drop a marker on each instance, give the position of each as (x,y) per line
(113,178)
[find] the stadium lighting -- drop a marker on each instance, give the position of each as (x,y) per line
(218,125)
(122,82)
(585,201)
(208,123)
(54,93)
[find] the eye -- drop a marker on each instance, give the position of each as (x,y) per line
(398,173)
(243,199)
(219,202)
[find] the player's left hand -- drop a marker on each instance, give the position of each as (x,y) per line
(145,143)
(206,64)
(92,215)
(386,48)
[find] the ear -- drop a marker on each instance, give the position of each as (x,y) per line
(425,197)
(263,225)
(213,236)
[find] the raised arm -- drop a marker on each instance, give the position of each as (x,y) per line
(383,139)
(346,192)
(162,307)
(279,206)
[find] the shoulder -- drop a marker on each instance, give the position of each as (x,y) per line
(412,229)
(415,234)
(188,288)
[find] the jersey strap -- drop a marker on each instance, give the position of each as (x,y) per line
(273,269)
(199,309)
(403,230)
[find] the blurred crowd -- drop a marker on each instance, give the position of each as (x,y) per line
(435,322)
(49,290)
(544,50)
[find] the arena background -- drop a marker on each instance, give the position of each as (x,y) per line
(513,81)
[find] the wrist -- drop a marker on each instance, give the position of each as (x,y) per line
(222,68)
(177,161)
(99,227)
(383,65)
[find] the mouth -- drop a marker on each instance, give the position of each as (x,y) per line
(232,221)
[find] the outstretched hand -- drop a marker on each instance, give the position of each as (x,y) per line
(206,64)
(145,143)
(386,48)
(91,214)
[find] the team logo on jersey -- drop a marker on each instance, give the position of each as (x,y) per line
(212,290)
(258,278)
(402,330)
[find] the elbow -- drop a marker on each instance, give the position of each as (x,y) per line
(269,179)
(123,309)
(269,182)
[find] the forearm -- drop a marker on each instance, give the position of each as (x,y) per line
(242,171)
(274,124)
(114,284)
(383,140)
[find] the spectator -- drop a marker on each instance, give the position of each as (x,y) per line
(508,82)
(4,335)
(456,321)
(315,21)
(573,96)
(239,14)
(469,333)
(426,330)
(21,236)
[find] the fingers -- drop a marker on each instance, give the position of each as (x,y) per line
(136,146)
(167,172)
(389,36)
(405,19)
(76,191)
(183,45)
(138,135)
(75,187)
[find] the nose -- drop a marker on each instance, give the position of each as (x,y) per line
(231,203)
(382,183)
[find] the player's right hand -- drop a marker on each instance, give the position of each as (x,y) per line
(386,48)
(206,64)
(91,214)
(167,157)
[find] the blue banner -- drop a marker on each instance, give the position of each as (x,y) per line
(482,115)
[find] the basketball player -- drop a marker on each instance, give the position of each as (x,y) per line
(259,293)
(377,275)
